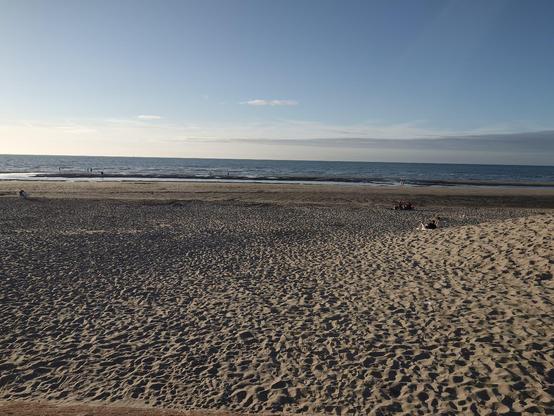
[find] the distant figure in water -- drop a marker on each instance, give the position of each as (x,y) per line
(23,194)
(429,226)
(102,173)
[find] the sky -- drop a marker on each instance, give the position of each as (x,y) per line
(453,81)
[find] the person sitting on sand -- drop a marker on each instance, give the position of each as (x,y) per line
(404,206)
(23,194)
(429,226)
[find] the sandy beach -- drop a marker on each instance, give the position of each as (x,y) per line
(159,298)
(286,194)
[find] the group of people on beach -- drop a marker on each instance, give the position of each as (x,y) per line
(404,206)
(408,206)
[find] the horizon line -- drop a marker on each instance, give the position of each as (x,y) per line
(271,160)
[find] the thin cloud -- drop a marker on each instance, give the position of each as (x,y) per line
(272,103)
(281,139)
(523,142)
(149,117)
(76,129)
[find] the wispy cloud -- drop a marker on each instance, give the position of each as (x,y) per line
(281,139)
(525,142)
(76,129)
(64,127)
(261,103)
(149,117)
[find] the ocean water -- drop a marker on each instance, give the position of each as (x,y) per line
(174,169)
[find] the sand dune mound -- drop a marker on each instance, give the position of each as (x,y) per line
(265,308)
(477,303)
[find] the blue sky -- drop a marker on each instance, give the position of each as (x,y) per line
(188,78)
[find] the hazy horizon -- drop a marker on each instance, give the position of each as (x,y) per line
(428,82)
(536,145)
(266,159)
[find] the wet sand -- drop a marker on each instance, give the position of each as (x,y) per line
(268,300)
(286,194)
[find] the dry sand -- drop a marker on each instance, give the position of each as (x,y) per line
(337,308)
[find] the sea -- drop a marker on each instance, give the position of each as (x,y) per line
(95,168)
